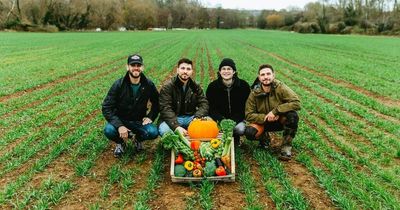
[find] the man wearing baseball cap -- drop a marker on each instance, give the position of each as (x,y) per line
(125,107)
(227,97)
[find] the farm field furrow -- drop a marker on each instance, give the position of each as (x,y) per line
(54,154)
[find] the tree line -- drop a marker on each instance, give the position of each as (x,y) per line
(324,16)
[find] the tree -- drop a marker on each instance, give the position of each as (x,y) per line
(275,21)
(139,14)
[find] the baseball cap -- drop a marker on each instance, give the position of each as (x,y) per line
(135,58)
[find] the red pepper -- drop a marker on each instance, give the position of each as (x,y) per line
(195,145)
(179,160)
(220,171)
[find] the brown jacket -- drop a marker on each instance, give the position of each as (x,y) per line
(195,103)
(280,99)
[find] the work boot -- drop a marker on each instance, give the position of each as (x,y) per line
(265,139)
(119,150)
(286,150)
(138,145)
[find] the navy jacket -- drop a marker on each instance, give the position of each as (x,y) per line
(120,104)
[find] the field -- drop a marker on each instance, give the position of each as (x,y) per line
(53,153)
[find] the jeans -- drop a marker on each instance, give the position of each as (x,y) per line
(143,132)
(183,121)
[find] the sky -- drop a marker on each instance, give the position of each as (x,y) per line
(256,4)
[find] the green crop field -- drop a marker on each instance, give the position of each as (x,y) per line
(53,153)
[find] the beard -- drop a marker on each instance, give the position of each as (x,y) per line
(184,79)
(263,83)
(134,76)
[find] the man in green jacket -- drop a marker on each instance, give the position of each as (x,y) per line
(181,100)
(272,104)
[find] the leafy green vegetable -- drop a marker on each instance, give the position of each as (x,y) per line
(209,170)
(207,151)
(172,141)
(179,170)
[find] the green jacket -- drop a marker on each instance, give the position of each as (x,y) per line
(170,96)
(281,99)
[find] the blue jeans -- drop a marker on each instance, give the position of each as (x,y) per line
(143,132)
(183,121)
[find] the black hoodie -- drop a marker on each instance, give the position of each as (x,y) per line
(227,102)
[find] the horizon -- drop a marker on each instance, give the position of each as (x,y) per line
(256,4)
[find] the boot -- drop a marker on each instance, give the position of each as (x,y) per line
(265,139)
(286,150)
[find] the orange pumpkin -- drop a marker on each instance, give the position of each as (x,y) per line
(202,129)
(260,129)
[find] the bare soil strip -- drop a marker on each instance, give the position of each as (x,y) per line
(202,69)
(228,196)
(263,196)
(211,72)
(171,195)
(382,99)
(219,53)
(303,180)
(86,189)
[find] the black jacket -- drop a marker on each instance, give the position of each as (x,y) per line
(195,103)
(120,104)
(227,102)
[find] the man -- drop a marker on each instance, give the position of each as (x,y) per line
(227,97)
(181,100)
(274,105)
(125,107)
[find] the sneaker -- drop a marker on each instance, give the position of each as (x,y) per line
(119,150)
(286,153)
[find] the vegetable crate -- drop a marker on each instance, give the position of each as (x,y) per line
(225,178)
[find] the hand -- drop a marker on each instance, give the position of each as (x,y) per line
(123,132)
(270,117)
(146,121)
(181,130)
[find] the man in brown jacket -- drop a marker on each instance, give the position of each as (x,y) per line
(181,100)
(273,104)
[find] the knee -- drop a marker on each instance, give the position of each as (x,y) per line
(292,119)
(151,132)
(110,131)
(250,132)
(163,128)
(239,129)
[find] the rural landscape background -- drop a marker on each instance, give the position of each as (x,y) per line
(54,155)
(317,16)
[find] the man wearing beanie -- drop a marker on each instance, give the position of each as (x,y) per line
(125,107)
(227,97)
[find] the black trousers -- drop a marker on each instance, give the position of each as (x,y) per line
(287,122)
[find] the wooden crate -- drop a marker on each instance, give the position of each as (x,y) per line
(227,178)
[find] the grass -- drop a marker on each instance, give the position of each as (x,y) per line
(50,109)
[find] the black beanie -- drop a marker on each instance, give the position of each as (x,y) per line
(227,62)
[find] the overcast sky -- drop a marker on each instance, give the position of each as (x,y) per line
(256,4)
